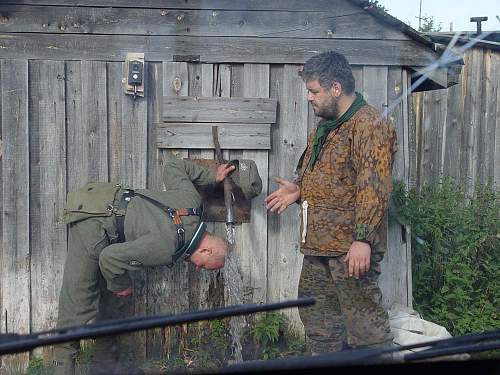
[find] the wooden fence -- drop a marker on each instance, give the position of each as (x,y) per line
(68,122)
(458,129)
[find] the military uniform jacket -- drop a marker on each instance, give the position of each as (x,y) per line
(348,190)
(147,227)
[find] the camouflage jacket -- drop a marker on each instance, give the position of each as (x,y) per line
(348,190)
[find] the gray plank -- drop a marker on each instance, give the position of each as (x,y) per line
(472,113)
(409,161)
(169,287)
(128,132)
(496,147)
(206,289)
(218,109)
(291,5)
(199,136)
(394,277)
(212,49)
(128,166)
(252,240)
(375,86)
(486,144)
(115,93)
(87,129)
(154,84)
(49,237)
(15,234)
(412,134)
(289,140)
(329,23)
(434,118)
(357,72)
(454,125)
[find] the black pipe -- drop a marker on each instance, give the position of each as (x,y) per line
(455,345)
(14,343)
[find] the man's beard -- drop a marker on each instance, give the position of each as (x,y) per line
(330,111)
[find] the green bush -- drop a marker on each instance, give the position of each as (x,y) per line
(456,253)
(267,334)
(36,366)
(273,339)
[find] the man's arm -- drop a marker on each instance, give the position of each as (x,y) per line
(373,148)
(181,174)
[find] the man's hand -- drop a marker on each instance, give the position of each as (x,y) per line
(222,171)
(358,259)
(287,194)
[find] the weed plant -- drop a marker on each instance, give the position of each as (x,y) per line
(455,253)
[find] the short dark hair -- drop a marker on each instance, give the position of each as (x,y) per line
(327,68)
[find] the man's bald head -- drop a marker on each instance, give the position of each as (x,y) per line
(211,252)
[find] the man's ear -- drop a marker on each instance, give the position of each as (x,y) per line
(205,250)
(336,89)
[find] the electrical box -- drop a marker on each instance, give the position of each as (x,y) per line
(133,74)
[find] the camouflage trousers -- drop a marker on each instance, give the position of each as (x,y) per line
(347,311)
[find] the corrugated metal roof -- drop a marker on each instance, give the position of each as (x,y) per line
(487,40)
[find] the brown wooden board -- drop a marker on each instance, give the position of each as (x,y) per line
(211,49)
(214,209)
(218,109)
(329,23)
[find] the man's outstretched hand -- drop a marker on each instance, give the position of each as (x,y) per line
(222,171)
(287,194)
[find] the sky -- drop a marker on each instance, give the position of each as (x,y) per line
(458,12)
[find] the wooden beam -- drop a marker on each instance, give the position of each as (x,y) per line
(291,5)
(199,136)
(331,23)
(217,109)
(211,49)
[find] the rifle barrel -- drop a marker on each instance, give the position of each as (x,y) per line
(19,343)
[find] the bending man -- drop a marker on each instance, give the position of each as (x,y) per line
(113,230)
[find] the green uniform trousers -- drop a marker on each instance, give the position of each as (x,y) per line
(84,295)
(347,311)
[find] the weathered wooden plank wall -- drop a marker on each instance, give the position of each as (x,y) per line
(459,128)
(65,121)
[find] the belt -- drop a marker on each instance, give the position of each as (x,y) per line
(120,219)
(173,213)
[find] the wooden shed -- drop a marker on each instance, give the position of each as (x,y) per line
(65,120)
(458,129)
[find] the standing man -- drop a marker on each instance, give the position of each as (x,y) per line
(113,230)
(343,184)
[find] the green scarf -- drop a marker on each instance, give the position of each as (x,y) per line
(325,127)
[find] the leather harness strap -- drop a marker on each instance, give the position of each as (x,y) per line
(174,213)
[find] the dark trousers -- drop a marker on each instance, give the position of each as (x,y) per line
(347,311)
(84,295)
